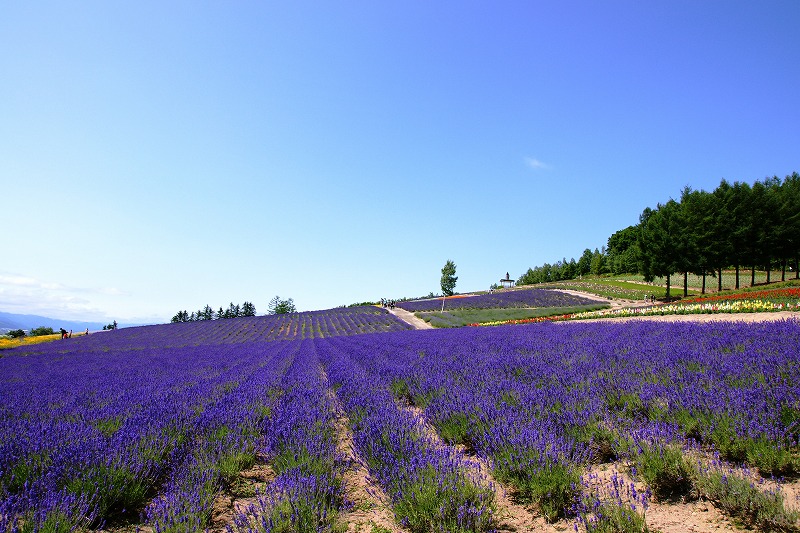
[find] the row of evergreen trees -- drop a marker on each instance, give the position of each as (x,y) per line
(277,306)
(207,313)
(589,263)
(735,226)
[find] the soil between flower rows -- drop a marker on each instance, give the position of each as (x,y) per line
(371,507)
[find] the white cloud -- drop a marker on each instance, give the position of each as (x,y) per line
(112,291)
(535,164)
(32,283)
(18,281)
(27,295)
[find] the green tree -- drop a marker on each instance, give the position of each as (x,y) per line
(657,241)
(744,229)
(233,311)
(725,234)
(248,309)
(764,202)
(598,263)
(585,262)
(567,269)
(623,251)
(449,278)
(685,242)
(573,268)
(41,330)
(701,214)
(16,333)
(281,307)
(789,225)
(528,278)
(206,313)
(547,272)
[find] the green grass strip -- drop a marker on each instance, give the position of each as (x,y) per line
(464,317)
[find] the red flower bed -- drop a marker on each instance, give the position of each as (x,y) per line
(751,295)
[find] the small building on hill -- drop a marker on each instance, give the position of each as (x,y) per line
(507,283)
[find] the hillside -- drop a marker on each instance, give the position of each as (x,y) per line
(353,421)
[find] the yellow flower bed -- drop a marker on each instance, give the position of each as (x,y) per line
(729,306)
(6,343)
(735,306)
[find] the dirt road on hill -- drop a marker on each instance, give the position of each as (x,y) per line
(409,318)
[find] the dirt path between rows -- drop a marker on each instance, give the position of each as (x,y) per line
(699,516)
(227,505)
(371,509)
(409,318)
(510,516)
(371,506)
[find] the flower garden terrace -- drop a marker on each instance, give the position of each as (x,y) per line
(156,431)
(783,299)
(500,299)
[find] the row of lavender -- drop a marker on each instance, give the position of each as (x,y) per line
(507,299)
(296,326)
(432,487)
(542,402)
(300,442)
(91,436)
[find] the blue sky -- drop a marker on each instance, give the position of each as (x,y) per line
(159,156)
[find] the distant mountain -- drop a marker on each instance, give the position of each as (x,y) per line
(9,321)
(7,324)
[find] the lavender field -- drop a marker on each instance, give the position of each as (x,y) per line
(506,299)
(154,427)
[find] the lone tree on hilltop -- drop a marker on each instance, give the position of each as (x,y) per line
(449,278)
(281,307)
